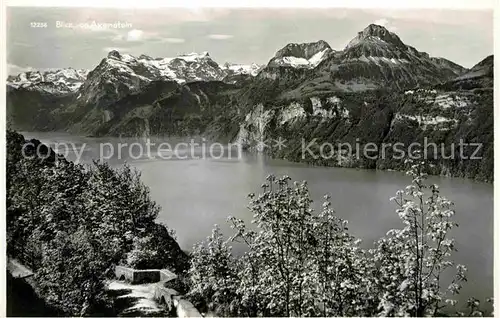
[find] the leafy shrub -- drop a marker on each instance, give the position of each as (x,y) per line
(213,275)
(72,224)
(157,249)
(299,262)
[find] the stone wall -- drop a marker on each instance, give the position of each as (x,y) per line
(140,276)
(185,308)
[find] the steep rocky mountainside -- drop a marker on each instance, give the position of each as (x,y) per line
(445,114)
(378,89)
(161,108)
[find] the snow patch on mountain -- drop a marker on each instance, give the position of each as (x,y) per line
(299,62)
(378,59)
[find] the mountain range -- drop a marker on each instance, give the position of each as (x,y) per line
(376,89)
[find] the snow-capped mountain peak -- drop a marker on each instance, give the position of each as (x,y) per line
(377,45)
(244,69)
(128,74)
(183,68)
(194,57)
(52,81)
(302,55)
(122,73)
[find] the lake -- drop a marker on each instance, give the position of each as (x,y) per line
(195,194)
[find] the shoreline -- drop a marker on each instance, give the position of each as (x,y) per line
(251,150)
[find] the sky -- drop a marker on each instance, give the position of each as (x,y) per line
(41,37)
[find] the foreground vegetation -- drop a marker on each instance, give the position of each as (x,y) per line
(303,263)
(72,224)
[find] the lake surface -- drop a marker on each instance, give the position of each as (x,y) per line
(195,194)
